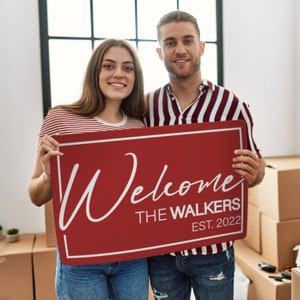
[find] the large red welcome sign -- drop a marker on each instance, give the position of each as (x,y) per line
(140,192)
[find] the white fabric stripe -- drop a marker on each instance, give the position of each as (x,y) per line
(204,250)
(161,108)
(170,110)
(227,108)
(237,111)
(214,111)
(150,106)
(194,251)
(204,107)
(214,248)
(249,129)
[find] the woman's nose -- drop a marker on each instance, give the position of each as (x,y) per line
(118,72)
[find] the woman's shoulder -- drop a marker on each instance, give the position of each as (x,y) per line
(58,120)
(58,111)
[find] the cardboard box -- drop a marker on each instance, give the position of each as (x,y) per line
(295,284)
(253,237)
(16,269)
(262,287)
(278,195)
(44,268)
(278,241)
(50,225)
(254,194)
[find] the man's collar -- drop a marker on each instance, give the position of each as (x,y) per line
(205,83)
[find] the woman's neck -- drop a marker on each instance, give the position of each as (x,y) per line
(111,114)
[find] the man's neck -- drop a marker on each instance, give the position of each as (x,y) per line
(185,90)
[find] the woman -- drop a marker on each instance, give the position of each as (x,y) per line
(112,99)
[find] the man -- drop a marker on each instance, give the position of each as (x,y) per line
(188,98)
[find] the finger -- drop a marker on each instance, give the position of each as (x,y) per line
(246,157)
(250,178)
(48,144)
(49,141)
(246,170)
(245,163)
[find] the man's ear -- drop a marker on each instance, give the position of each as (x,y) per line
(202,48)
(158,51)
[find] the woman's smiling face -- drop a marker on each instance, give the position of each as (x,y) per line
(117,74)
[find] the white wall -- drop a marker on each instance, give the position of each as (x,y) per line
(21,112)
(260,62)
(260,66)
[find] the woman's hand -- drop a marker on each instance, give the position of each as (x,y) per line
(47,148)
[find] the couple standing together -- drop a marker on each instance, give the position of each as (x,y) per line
(113,99)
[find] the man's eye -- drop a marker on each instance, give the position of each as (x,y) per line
(170,44)
(190,41)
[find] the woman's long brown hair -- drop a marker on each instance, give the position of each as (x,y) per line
(92,100)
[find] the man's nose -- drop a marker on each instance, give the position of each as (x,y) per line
(180,48)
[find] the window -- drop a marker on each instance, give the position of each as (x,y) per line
(70,30)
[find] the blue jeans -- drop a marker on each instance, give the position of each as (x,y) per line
(210,276)
(126,280)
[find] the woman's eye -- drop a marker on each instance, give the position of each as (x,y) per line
(129,69)
(107,66)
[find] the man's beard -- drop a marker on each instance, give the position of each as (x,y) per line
(183,75)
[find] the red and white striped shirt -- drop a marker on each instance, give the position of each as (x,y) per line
(61,121)
(214,103)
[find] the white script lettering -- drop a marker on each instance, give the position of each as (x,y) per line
(217,183)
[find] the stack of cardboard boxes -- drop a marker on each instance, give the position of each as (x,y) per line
(44,262)
(273,228)
(27,269)
(16,280)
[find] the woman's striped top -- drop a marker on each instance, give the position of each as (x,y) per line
(61,121)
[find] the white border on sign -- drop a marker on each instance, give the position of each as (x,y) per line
(118,139)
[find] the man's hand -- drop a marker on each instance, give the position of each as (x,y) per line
(248,165)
